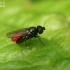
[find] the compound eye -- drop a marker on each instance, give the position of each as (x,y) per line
(40,29)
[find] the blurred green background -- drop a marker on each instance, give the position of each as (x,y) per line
(54,15)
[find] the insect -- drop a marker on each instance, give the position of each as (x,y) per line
(24,34)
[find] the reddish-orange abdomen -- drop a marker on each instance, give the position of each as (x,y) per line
(14,39)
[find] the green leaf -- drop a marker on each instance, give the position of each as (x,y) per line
(54,16)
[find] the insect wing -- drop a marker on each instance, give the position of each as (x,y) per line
(16,33)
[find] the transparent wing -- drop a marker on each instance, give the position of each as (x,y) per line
(16,33)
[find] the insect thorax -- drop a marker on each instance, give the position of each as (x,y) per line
(32,31)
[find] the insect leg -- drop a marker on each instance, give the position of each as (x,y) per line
(40,39)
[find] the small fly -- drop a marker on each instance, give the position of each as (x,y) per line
(24,34)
